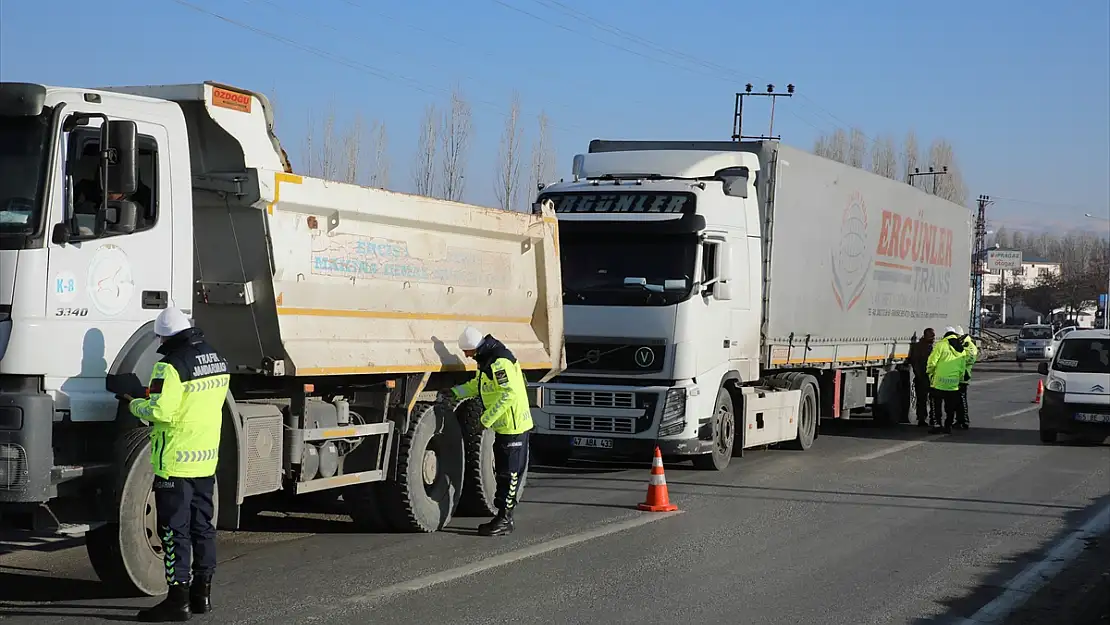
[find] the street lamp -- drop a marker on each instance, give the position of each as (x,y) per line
(1106,307)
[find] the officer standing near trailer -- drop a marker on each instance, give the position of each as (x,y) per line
(500,383)
(946,367)
(185,408)
(972,349)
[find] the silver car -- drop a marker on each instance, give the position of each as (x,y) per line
(1034,342)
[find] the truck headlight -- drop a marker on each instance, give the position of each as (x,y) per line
(673,419)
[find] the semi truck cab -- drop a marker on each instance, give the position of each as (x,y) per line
(660,253)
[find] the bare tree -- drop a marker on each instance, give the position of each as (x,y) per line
(857,148)
(543,156)
(507,185)
(456,142)
(911,155)
(424,168)
(884,157)
(353,139)
(950,186)
(838,146)
(379,169)
(322,153)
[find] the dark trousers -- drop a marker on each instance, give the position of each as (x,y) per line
(510,461)
(946,403)
(188,534)
(963,414)
(921,397)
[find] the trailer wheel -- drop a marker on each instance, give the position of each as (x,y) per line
(480,484)
(127,554)
(423,494)
(808,412)
(724,435)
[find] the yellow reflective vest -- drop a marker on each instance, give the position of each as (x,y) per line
(185,408)
(947,364)
(500,382)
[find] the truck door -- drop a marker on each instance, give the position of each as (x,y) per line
(103,289)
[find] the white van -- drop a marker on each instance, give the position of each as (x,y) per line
(1076,396)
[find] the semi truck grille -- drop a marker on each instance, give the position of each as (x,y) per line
(591,399)
(609,425)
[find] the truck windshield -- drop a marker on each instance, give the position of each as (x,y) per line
(24,144)
(1084,356)
(596,269)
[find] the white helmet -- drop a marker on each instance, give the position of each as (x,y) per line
(171,321)
(470,339)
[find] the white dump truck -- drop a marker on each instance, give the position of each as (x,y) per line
(338,308)
(720,296)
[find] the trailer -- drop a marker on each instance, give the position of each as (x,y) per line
(721,296)
(337,307)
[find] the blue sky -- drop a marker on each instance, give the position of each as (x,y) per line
(1022,90)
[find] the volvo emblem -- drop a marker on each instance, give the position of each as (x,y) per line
(593,356)
(645,356)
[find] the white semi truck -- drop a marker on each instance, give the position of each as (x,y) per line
(337,306)
(720,296)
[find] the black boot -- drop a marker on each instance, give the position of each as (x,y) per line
(173,609)
(500,525)
(200,595)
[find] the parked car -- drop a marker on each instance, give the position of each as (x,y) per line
(1033,341)
(1054,346)
(1076,396)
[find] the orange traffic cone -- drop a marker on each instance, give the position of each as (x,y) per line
(1040,391)
(657,498)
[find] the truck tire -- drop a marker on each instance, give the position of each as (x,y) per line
(1048,437)
(895,409)
(480,484)
(127,554)
(809,412)
(724,435)
(426,488)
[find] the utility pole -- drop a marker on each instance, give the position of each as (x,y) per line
(932,174)
(978,264)
(738,111)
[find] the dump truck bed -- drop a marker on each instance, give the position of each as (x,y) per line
(306,277)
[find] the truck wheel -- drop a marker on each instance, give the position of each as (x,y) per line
(724,435)
(423,494)
(1048,436)
(808,413)
(127,554)
(480,484)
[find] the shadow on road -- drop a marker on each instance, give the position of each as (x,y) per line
(29,589)
(981,433)
(991,584)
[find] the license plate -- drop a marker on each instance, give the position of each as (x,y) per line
(595,443)
(1090,417)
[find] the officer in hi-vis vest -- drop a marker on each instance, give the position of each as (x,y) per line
(500,383)
(185,408)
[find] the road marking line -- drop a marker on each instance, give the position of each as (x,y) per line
(1017,412)
(977,382)
(1025,584)
(911,444)
(895,449)
(510,557)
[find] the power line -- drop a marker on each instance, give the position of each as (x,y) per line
(377,72)
(1043,203)
(602,25)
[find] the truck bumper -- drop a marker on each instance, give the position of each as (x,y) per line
(637,449)
(1065,418)
(26,453)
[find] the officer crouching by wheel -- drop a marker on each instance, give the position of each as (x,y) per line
(185,407)
(500,382)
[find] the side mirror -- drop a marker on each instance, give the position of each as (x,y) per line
(123,175)
(60,234)
(122,216)
(1042,368)
(735,181)
(722,291)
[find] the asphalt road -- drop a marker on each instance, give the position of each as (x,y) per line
(872,525)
